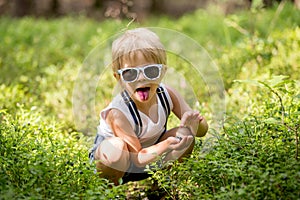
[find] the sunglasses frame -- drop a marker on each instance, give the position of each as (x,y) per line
(138,69)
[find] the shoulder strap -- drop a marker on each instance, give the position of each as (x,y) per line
(163,99)
(164,102)
(134,113)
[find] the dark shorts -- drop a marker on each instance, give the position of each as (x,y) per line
(134,177)
(133,173)
(97,142)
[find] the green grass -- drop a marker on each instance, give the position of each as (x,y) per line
(255,155)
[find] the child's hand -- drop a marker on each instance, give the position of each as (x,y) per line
(178,143)
(190,119)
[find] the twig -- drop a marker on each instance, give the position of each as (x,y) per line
(280,100)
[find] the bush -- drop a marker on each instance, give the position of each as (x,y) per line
(254,156)
(39,160)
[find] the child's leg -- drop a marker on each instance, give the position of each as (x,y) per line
(112,159)
(185,152)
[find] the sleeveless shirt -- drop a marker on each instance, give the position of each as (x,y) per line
(151,131)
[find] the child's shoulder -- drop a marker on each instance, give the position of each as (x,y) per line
(117,103)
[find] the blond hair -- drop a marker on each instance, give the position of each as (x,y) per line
(139,40)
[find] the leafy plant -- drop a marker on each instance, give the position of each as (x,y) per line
(254,156)
(286,113)
(40,160)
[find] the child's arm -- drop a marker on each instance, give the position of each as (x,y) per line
(140,156)
(189,118)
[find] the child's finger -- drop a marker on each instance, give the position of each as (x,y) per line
(189,117)
(182,143)
(186,117)
(173,140)
(200,118)
(179,138)
(186,141)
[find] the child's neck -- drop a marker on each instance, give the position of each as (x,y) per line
(149,108)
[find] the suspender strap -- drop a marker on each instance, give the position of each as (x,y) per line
(134,113)
(163,99)
(164,102)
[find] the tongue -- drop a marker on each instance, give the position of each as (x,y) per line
(143,93)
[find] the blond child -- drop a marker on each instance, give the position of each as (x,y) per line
(132,131)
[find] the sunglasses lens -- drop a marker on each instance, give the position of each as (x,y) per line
(129,74)
(152,72)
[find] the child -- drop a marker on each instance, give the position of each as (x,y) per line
(132,131)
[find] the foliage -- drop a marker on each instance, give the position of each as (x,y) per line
(40,159)
(254,156)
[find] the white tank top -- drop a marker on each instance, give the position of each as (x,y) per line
(151,131)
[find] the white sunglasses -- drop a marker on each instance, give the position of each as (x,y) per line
(151,72)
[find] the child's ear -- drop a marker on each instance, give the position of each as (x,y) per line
(164,70)
(116,75)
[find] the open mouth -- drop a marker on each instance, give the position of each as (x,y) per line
(143,93)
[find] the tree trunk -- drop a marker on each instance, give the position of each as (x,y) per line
(21,7)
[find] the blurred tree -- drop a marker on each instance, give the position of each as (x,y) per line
(3,7)
(270,3)
(139,9)
(21,7)
(44,7)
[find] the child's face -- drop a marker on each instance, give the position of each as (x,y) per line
(142,89)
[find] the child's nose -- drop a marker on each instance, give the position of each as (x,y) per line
(141,75)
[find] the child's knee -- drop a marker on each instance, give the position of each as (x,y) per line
(113,151)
